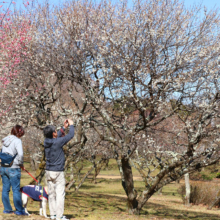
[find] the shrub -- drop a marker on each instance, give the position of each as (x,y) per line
(206,177)
(201,193)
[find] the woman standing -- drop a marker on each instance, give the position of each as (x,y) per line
(11,176)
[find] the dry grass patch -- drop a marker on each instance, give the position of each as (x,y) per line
(204,193)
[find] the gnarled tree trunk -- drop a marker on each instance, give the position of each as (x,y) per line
(128,185)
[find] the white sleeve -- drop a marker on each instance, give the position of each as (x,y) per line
(19,148)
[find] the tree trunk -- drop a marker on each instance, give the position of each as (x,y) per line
(96,173)
(40,171)
(32,162)
(84,178)
(128,186)
(98,168)
(70,184)
(187,185)
(72,181)
(78,171)
(71,172)
(216,200)
(160,191)
(106,164)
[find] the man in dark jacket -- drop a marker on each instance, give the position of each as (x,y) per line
(55,161)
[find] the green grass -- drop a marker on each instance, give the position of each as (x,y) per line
(107,200)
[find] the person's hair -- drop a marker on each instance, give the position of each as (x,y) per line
(48,131)
(18,131)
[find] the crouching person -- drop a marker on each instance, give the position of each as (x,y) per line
(55,161)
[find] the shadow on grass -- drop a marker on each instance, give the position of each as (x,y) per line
(93,202)
(88,204)
(85,187)
(163,211)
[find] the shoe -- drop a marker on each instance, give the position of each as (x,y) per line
(8,212)
(62,218)
(53,217)
(20,213)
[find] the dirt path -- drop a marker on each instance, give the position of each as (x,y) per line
(115,177)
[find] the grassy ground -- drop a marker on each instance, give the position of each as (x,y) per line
(106,200)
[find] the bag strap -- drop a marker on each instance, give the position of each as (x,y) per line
(9,154)
(15,156)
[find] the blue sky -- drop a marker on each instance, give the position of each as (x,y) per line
(208,3)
